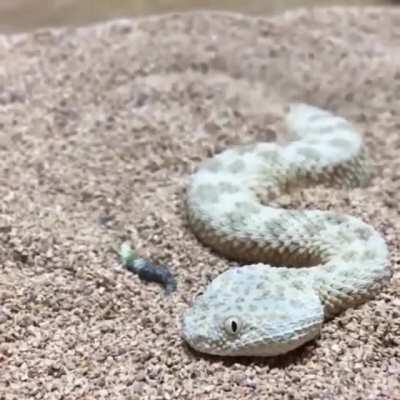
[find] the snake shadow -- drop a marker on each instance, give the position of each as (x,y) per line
(295,357)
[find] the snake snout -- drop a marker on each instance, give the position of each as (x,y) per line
(195,332)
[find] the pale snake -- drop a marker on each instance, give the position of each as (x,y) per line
(309,264)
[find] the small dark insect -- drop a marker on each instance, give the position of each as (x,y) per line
(146,270)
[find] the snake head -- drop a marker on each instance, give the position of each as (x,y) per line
(245,311)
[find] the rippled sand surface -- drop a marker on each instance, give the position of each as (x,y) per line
(17,15)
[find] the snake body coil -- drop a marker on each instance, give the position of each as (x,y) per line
(308,265)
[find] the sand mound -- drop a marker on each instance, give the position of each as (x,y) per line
(100,128)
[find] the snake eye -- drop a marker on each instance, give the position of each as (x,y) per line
(232,326)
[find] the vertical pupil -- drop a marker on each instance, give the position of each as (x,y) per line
(234,326)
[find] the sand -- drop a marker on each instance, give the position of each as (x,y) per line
(100,128)
(23,15)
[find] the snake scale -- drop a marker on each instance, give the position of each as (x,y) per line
(303,266)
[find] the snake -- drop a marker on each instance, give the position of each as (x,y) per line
(295,268)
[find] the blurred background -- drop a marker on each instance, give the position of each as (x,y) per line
(23,15)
